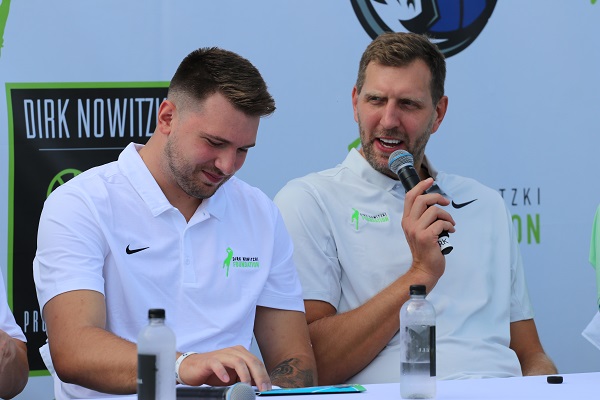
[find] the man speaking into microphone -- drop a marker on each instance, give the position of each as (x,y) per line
(361,240)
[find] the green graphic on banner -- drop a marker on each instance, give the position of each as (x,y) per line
(4,9)
(354,144)
(56,131)
(62,177)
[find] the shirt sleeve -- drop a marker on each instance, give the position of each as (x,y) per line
(70,246)
(282,289)
(315,253)
(520,304)
(7,319)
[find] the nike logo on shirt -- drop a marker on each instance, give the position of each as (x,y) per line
(461,205)
(131,251)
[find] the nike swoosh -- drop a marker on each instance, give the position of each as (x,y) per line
(129,251)
(461,205)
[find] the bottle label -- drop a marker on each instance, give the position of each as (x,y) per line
(146,381)
(432,350)
(420,346)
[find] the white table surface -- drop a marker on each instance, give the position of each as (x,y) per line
(574,387)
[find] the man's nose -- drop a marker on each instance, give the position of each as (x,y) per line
(390,117)
(226,162)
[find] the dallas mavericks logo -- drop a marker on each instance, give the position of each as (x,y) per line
(452,24)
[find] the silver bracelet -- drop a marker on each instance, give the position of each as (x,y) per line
(178,363)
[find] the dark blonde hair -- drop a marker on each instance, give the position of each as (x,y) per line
(398,49)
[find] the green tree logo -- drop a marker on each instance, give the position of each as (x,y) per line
(355,217)
(227,260)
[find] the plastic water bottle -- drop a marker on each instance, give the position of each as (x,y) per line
(417,346)
(156,359)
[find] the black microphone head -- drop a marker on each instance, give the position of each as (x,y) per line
(398,159)
(240,391)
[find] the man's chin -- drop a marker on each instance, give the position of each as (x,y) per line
(204,192)
(383,168)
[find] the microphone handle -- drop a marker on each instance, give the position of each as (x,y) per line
(409,178)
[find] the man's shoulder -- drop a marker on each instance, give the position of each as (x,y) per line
(90,178)
(461,184)
(238,190)
(320,180)
(463,191)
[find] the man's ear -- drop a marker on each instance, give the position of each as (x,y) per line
(440,109)
(166,112)
(355,103)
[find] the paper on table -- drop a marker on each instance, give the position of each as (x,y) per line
(315,390)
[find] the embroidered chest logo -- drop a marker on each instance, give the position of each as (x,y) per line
(357,216)
(227,260)
(239,262)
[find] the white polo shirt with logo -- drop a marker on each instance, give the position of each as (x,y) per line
(349,245)
(112,230)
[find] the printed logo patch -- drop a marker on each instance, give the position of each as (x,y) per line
(358,216)
(227,260)
(239,262)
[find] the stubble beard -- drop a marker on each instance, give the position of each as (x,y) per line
(185,174)
(416,149)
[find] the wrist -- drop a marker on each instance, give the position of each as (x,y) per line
(419,276)
(178,365)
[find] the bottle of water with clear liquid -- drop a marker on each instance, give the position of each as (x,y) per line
(417,346)
(156,359)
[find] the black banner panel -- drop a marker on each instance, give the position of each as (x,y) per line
(56,131)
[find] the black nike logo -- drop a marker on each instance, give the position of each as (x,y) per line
(130,251)
(461,205)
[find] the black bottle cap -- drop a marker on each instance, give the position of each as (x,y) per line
(554,379)
(156,313)
(417,290)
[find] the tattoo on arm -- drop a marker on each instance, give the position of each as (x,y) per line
(289,374)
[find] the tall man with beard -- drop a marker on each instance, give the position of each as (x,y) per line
(152,230)
(361,241)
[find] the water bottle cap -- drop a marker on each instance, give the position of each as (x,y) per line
(156,313)
(417,290)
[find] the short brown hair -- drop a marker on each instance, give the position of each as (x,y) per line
(209,70)
(398,49)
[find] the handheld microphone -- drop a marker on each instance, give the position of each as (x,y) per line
(238,391)
(402,164)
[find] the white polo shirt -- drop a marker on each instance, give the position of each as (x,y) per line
(349,245)
(112,230)
(7,319)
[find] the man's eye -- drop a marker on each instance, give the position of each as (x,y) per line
(411,105)
(213,143)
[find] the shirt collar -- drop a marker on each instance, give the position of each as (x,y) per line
(216,204)
(146,186)
(134,168)
(360,166)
